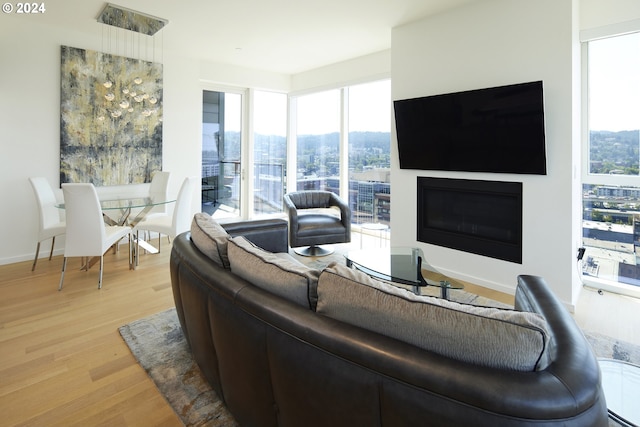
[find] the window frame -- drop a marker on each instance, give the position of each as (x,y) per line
(586,177)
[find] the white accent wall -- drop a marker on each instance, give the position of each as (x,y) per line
(493,43)
(486,44)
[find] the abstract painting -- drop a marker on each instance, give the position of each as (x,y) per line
(110,118)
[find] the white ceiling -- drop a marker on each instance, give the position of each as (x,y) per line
(286,36)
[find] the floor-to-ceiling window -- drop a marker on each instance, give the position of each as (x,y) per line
(317,124)
(369,152)
(342,140)
(336,140)
(269,151)
(611,172)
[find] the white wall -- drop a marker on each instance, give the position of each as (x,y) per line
(598,13)
(486,44)
(376,66)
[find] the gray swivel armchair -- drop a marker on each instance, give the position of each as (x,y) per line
(317,218)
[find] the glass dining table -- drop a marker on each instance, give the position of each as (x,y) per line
(130,211)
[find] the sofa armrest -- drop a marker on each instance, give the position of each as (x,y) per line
(269,234)
(572,359)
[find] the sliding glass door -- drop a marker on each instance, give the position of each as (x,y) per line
(221,153)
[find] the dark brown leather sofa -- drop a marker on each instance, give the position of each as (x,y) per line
(275,363)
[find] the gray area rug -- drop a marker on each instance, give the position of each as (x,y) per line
(159,346)
(609,348)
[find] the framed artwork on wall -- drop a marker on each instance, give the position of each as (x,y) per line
(110,118)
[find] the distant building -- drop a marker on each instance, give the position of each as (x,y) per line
(607,232)
(372,175)
(618,192)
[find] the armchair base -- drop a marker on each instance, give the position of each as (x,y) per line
(314,250)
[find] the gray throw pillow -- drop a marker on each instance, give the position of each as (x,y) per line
(210,238)
(278,273)
(487,336)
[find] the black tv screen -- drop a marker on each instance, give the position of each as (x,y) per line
(499,129)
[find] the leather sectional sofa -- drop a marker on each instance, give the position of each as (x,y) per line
(274,360)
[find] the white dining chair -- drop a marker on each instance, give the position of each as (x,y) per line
(51,225)
(87,234)
(173,224)
(159,190)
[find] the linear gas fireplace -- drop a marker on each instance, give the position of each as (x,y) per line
(480,217)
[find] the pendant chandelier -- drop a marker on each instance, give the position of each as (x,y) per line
(131,20)
(127,38)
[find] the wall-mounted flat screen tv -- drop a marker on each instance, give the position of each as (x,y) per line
(498,129)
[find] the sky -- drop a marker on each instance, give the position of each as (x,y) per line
(272,117)
(614,83)
(369,109)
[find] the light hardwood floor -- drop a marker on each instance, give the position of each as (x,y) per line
(63,362)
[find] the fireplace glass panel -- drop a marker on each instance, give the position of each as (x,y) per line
(481,217)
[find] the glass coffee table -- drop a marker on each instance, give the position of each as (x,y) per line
(403,265)
(621,385)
